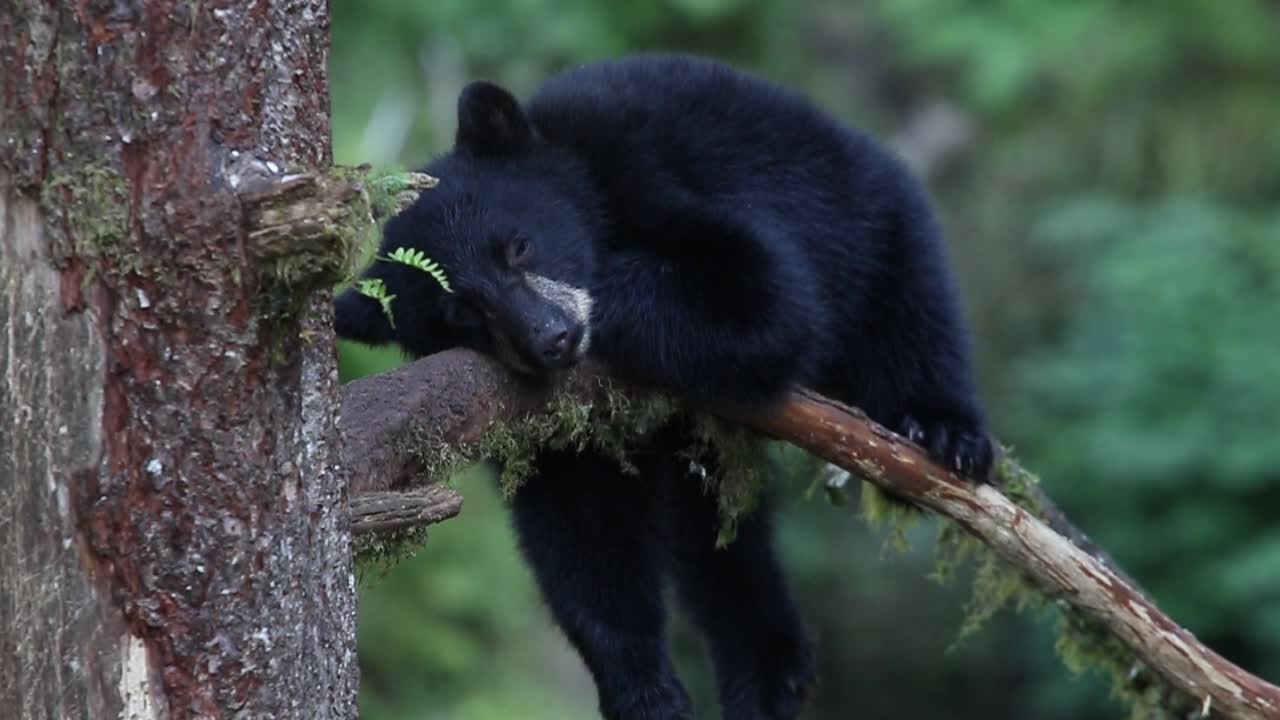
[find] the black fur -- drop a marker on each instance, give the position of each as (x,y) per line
(736,243)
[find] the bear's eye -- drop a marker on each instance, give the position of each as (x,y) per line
(519,251)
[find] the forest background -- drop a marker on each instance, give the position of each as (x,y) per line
(1108,175)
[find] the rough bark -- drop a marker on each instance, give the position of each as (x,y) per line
(174,541)
(453,397)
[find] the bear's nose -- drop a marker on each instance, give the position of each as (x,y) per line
(557,346)
(554,341)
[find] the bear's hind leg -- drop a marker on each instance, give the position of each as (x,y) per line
(739,599)
(590,535)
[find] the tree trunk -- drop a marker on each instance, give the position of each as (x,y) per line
(173,535)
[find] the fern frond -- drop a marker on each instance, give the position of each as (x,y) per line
(376,289)
(418,259)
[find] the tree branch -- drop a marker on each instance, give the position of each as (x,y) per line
(387,511)
(846,437)
(303,229)
(452,398)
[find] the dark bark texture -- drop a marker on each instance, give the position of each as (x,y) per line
(173,533)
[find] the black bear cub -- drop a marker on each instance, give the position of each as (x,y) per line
(696,229)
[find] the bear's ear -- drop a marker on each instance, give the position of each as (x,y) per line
(490,121)
(360,318)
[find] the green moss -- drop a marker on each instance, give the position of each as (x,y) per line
(616,425)
(1017,484)
(326,249)
(882,511)
(997,585)
(333,241)
(735,464)
(390,191)
(315,266)
(1082,642)
(320,254)
(739,465)
(377,553)
(89,208)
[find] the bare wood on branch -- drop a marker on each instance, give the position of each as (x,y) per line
(386,511)
(846,437)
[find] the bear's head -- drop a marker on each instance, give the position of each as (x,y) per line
(497,258)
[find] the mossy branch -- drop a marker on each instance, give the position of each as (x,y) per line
(303,229)
(420,420)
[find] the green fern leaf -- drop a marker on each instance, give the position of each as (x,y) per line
(418,259)
(377,290)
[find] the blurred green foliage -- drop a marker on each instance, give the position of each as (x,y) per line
(1113,206)
(449,633)
(1164,392)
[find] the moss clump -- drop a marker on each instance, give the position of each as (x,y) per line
(89,205)
(1084,645)
(321,242)
(312,265)
(386,193)
(1082,642)
(1017,484)
(301,244)
(376,553)
(615,424)
(615,428)
(882,511)
(391,191)
(735,462)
